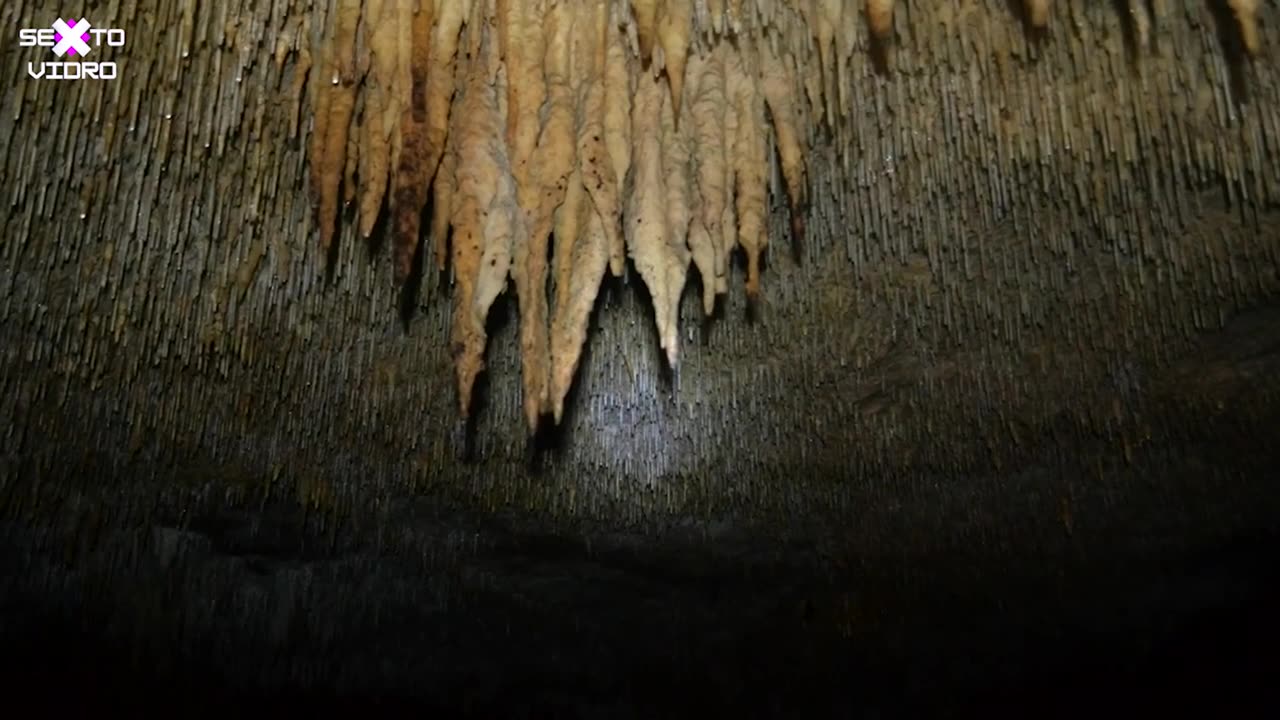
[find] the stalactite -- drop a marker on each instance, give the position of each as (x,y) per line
(1038,12)
(333,109)
(1246,12)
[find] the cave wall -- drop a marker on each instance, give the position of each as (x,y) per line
(1036,309)
(1019,233)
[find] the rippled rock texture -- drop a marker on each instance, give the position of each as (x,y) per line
(1001,430)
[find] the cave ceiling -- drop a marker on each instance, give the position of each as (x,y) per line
(917,278)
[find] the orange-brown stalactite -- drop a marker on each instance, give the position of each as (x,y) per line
(879,17)
(675,24)
(335,100)
(410,182)
(645,14)
(1037,12)
(1246,14)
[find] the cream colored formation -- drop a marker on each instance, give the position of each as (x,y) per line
(555,138)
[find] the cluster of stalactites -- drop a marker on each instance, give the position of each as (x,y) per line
(557,138)
(1142,11)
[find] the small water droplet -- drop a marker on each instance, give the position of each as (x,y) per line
(186,53)
(83,216)
(168,116)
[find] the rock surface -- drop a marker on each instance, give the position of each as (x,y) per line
(1006,419)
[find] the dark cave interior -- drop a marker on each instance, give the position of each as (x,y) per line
(1154,593)
(998,436)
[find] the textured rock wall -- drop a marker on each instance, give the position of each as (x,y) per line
(1033,323)
(1013,242)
